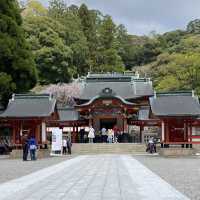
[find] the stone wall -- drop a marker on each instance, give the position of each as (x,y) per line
(196,147)
(176,152)
(41,153)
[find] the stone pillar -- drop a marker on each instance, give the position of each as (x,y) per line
(44,138)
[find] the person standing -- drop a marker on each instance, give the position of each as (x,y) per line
(91,135)
(25,147)
(104,134)
(32,147)
(69,145)
(115,130)
(110,135)
(64,146)
(82,133)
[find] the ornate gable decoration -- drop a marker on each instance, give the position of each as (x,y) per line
(107,92)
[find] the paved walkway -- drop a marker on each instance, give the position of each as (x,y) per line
(99,177)
(14,168)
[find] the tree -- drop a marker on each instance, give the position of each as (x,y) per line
(88,26)
(57,8)
(17,65)
(109,61)
(190,43)
(53,57)
(65,93)
(107,32)
(74,36)
(176,72)
(194,26)
(187,67)
(33,8)
(126,47)
(108,58)
(149,51)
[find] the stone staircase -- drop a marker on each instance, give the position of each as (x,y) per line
(105,148)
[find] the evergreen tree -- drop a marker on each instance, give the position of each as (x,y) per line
(88,26)
(108,57)
(107,33)
(73,34)
(53,57)
(17,67)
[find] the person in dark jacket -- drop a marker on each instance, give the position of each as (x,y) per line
(69,145)
(25,147)
(82,133)
(32,148)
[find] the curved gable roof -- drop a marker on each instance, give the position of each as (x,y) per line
(106,97)
(126,87)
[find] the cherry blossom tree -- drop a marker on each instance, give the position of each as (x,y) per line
(65,93)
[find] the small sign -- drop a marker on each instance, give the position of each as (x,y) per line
(107,102)
(56,139)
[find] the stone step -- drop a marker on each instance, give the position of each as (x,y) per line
(104,148)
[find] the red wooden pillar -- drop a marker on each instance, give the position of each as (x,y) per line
(37,128)
(76,134)
(167,127)
(73,134)
(190,134)
(141,129)
(14,132)
(163,131)
(186,137)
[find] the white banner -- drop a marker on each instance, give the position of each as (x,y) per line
(56,139)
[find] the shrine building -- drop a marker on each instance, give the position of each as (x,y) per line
(111,100)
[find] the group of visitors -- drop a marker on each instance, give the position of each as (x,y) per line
(107,135)
(29,146)
(67,145)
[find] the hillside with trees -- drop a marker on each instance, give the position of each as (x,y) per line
(52,45)
(177,63)
(70,41)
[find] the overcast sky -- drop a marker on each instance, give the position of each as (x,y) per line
(143,16)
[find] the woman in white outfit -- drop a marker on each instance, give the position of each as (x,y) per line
(91,135)
(110,135)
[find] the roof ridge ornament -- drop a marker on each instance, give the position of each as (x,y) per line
(107,92)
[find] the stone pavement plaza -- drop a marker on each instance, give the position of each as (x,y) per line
(97,177)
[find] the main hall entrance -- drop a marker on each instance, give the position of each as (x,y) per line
(108,123)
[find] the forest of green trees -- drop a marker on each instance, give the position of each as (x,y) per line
(41,45)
